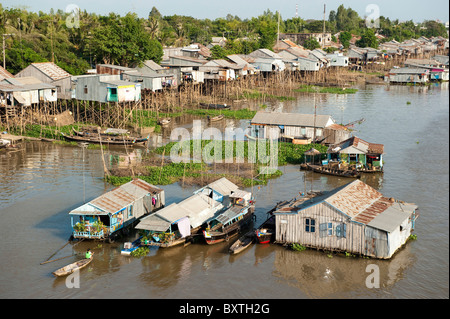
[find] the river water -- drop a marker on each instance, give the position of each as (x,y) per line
(42,183)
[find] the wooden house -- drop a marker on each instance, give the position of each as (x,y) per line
(25,91)
(106,215)
(367,157)
(354,218)
(50,73)
(170,78)
(294,125)
(266,60)
(111,69)
(408,75)
(151,82)
(338,59)
(4,74)
(188,217)
(220,69)
(106,88)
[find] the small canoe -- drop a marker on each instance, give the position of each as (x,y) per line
(216,118)
(242,243)
(67,270)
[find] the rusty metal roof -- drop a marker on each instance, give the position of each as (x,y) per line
(354,198)
(124,195)
(51,70)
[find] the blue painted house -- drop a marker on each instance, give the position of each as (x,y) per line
(107,216)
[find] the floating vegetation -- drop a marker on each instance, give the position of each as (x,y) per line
(140,252)
(297,247)
(319,89)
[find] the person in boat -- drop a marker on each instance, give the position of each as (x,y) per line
(88,254)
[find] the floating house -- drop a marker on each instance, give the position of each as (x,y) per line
(175,223)
(295,125)
(50,73)
(408,75)
(364,156)
(108,215)
(354,218)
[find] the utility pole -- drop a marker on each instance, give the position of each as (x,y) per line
(4,49)
(323,35)
(278,36)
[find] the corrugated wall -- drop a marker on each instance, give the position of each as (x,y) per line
(290,228)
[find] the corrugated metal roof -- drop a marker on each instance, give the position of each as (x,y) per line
(51,70)
(200,208)
(354,198)
(389,219)
(290,119)
(355,144)
(153,222)
(223,186)
(122,196)
(4,74)
(229,214)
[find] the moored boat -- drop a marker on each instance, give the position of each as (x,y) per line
(331,171)
(232,220)
(214,106)
(216,118)
(265,233)
(242,243)
(67,270)
(115,140)
(128,247)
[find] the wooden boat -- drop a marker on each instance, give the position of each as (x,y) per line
(228,224)
(164,121)
(128,247)
(167,244)
(242,243)
(264,234)
(216,118)
(331,171)
(104,139)
(67,270)
(214,106)
(111,135)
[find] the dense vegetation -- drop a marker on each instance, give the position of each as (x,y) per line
(130,40)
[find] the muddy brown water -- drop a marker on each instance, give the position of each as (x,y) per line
(42,183)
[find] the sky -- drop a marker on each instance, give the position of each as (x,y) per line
(416,10)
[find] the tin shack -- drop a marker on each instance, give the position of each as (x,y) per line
(105,217)
(354,218)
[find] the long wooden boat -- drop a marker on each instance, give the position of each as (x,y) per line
(331,171)
(105,136)
(242,243)
(228,224)
(67,270)
(167,244)
(214,106)
(265,233)
(103,140)
(216,118)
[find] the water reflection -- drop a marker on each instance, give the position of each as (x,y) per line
(319,275)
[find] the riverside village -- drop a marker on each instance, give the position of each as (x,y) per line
(192,142)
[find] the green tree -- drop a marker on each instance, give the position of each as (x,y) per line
(311,44)
(344,38)
(368,39)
